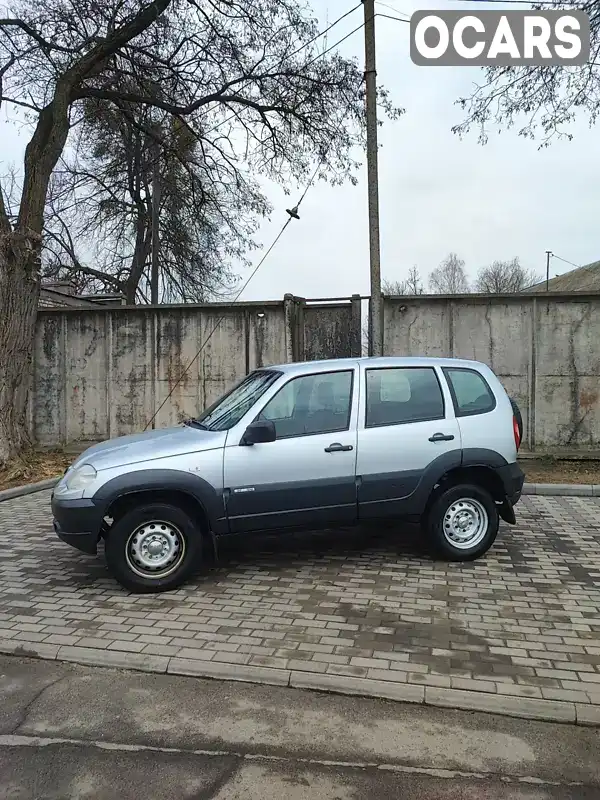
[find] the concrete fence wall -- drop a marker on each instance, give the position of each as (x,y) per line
(106,372)
(544,348)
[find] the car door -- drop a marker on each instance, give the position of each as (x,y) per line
(306,477)
(406,426)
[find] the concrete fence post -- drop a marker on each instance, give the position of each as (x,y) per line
(154,365)
(289,316)
(450,308)
(532,374)
(63,411)
(108,370)
(356,326)
(299,335)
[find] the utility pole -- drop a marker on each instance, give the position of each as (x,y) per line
(548,254)
(155,224)
(375,307)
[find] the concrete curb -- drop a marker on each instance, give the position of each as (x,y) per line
(30,488)
(505,705)
(562,489)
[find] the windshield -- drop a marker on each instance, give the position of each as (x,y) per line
(230,408)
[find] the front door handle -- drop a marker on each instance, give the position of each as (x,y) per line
(336,447)
(441,437)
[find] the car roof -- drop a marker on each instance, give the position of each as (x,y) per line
(327,365)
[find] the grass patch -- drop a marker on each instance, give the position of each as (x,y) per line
(33,466)
(552,470)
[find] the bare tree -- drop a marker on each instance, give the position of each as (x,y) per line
(99,225)
(542,100)
(502,277)
(244,77)
(407,286)
(450,277)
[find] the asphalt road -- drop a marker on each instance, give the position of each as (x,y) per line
(98,734)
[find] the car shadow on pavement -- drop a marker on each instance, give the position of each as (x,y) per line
(270,551)
(337,543)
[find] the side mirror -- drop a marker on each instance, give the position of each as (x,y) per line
(259,433)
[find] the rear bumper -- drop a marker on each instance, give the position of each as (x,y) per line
(78,523)
(513,478)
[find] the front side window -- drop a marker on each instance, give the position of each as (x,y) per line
(230,408)
(402,394)
(470,392)
(311,404)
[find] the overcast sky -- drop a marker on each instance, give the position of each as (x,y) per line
(437,193)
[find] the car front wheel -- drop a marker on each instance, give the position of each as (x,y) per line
(153,548)
(462,523)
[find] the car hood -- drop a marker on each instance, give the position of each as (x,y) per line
(150,445)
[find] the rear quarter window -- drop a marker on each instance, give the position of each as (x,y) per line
(470,391)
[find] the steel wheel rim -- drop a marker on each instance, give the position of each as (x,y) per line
(155,549)
(465,523)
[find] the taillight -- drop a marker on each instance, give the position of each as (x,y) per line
(516,433)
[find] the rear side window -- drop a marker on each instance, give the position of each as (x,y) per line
(403,394)
(470,392)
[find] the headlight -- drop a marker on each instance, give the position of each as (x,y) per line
(80,477)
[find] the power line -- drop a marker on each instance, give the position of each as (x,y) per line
(578,266)
(347,36)
(388,16)
(588,269)
(391,8)
(216,325)
(325,31)
(293,214)
(316,58)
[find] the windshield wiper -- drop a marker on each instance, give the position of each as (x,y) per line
(194,423)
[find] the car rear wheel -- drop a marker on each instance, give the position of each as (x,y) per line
(462,523)
(153,548)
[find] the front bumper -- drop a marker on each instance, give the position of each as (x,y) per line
(78,523)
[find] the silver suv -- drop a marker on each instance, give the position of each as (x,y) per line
(310,445)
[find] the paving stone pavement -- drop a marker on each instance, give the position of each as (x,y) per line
(368,603)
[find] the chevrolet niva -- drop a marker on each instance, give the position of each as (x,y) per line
(310,445)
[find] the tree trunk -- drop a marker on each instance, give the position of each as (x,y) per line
(140,256)
(19,294)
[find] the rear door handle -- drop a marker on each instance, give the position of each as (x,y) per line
(336,447)
(441,437)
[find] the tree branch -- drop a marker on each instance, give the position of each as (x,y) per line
(5,226)
(19,103)
(43,43)
(172,108)
(69,248)
(121,36)
(50,135)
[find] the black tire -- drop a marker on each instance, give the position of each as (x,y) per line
(440,530)
(518,417)
(167,525)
